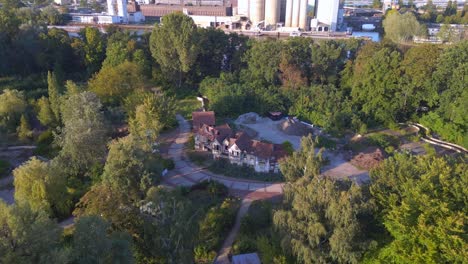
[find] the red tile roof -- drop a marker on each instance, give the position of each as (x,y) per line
(201,118)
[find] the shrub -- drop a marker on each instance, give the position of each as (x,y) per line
(288,147)
(45,144)
(324,142)
(168,164)
(223,166)
(383,140)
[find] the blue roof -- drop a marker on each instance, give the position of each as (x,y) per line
(251,258)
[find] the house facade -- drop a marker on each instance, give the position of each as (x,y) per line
(239,148)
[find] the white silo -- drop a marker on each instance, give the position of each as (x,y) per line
(243,8)
(257,11)
(303,15)
(295,13)
(288,15)
(272,9)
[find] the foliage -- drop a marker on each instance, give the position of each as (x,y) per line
(382,140)
(53,89)
(173,46)
(24,130)
(224,167)
(304,162)
(45,114)
(446,130)
(257,234)
(214,227)
(324,221)
(4,167)
(42,186)
(113,83)
(125,168)
(402,27)
(168,232)
(92,243)
(29,236)
(93,47)
(423,207)
(44,144)
(12,105)
(83,136)
(288,147)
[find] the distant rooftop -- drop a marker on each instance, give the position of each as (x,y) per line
(251,258)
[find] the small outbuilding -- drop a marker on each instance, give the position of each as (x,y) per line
(251,258)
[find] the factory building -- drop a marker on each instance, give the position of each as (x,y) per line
(118,12)
(318,15)
(328,15)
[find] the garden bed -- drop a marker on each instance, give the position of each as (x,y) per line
(223,167)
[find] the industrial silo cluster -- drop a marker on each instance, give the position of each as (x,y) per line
(296,13)
(260,10)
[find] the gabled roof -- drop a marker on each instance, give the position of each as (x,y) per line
(242,141)
(201,118)
(219,132)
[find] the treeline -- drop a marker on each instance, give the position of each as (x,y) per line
(406,214)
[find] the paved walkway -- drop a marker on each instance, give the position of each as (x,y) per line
(223,255)
(188,174)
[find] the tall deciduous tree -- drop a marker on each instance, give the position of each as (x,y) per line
(84,134)
(54,91)
(422,204)
(93,244)
(12,105)
(42,187)
(112,84)
(168,232)
(324,221)
(377,81)
(304,162)
(94,48)
(45,114)
(24,129)
(125,170)
(174,45)
(402,27)
(29,236)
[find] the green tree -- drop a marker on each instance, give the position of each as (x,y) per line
(84,134)
(51,15)
(12,105)
(125,169)
(422,204)
(418,64)
(377,81)
(93,244)
(29,236)
(94,48)
(327,61)
(263,61)
(41,186)
(450,86)
(174,46)
(304,162)
(111,204)
(324,221)
(113,84)
(54,91)
(169,230)
(24,129)
(402,28)
(45,114)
